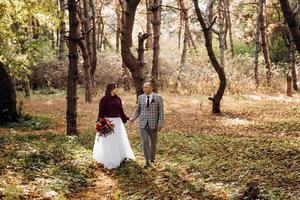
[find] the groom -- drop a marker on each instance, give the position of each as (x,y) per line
(150,111)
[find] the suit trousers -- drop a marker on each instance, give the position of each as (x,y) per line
(149,137)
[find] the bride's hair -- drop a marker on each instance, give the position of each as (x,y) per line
(110,87)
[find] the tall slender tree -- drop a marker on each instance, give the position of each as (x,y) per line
(74,36)
(221,32)
(264,41)
(62,30)
(119,24)
(101,34)
(100,26)
(156,22)
(86,48)
(180,25)
(216,99)
(257,47)
(149,41)
(94,43)
(292,51)
(228,19)
(184,12)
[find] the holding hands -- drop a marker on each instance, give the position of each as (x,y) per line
(130,121)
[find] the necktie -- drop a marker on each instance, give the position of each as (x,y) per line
(148,101)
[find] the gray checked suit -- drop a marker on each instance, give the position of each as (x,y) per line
(150,118)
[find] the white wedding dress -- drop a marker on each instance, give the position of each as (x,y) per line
(114,148)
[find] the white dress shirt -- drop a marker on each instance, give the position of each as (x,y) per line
(150,99)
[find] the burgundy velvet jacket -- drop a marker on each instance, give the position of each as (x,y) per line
(111,106)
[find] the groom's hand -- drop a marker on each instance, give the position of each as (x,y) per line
(159,128)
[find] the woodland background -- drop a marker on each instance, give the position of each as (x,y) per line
(228,72)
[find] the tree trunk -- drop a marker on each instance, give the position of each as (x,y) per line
(180,26)
(26,88)
(131,62)
(126,73)
(293,68)
(52,39)
(149,42)
(229,28)
(87,28)
(57,30)
(141,49)
(57,39)
(292,60)
(86,48)
(257,47)
(128,25)
(8,110)
(126,77)
(100,34)
(103,38)
(289,91)
(94,44)
(35,28)
(264,41)
(87,75)
(226,27)
(184,17)
(291,21)
(191,38)
(216,99)
(100,27)
(221,32)
(156,22)
(62,29)
(185,41)
(119,24)
(74,35)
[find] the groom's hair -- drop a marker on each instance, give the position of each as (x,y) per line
(148,82)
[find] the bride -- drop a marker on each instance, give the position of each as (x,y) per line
(115,148)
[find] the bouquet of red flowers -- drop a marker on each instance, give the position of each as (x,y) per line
(104,127)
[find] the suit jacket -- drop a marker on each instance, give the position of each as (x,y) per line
(153,115)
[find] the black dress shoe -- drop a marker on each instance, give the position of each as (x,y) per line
(147,165)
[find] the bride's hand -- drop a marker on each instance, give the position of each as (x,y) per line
(130,122)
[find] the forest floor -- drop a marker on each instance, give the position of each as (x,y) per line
(200,155)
